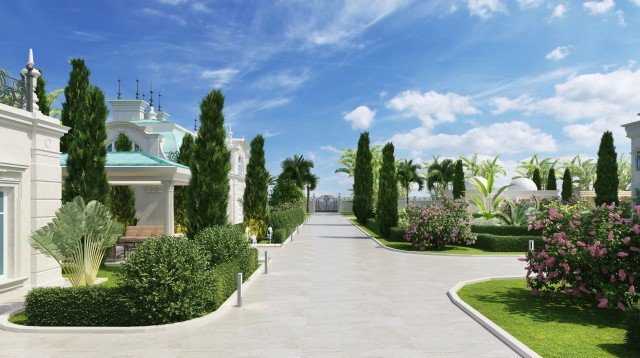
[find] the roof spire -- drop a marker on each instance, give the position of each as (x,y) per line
(119,94)
(159,102)
(151,92)
(137,88)
(195,124)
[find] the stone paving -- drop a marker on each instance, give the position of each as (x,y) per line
(332,292)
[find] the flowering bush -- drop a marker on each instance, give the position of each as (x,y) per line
(440,223)
(591,253)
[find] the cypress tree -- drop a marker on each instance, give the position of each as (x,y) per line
(76,95)
(87,153)
(567,185)
(255,201)
(181,193)
(458,181)
(123,199)
(606,185)
(551,180)
(363,181)
(209,185)
(41,92)
(536,179)
(387,206)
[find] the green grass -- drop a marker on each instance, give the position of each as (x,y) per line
(18,318)
(406,246)
(109,272)
(555,327)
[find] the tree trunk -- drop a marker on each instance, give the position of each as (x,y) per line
(407,192)
(307,199)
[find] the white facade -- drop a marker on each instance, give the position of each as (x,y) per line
(633,133)
(151,132)
(30,187)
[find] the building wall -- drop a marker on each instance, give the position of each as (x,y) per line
(31,177)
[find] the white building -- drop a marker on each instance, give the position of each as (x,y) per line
(30,185)
(152,133)
(633,133)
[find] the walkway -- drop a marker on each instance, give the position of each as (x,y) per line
(330,293)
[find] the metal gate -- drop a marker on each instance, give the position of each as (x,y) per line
(327,204)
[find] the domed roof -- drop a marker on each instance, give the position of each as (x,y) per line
(468,184)
(522,184)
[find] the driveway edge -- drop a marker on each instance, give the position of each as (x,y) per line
(506,338)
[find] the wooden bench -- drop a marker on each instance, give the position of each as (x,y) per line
(135,235)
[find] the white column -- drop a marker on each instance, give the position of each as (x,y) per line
(167,196)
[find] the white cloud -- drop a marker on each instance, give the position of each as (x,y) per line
(361,117)
(485,8)
(530,3)
(432,107)
(599,7)
(558,53)
(200,7)
(268,134)
(331,149)
(284,79)
(220,77)
(273,103)
(89,36)
(506,137)
(589,134)
(523,103)
(173,2)
(559,11)
(161,14)
(637,2)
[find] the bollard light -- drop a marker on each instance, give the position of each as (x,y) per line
(531,245)
(239,290)
(266,262)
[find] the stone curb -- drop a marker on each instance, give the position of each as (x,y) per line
(520,348)
(228,304)
(425,252)
(290,238)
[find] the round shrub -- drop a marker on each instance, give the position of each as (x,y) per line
(279,236)
(223,243)
(171,280)
(440,223)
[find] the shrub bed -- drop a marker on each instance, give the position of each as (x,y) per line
(396,234)
(279,236)
(633,327)
(287,219)
(438,224)
(500,243)
(593,254)
(223,243)
(503,230)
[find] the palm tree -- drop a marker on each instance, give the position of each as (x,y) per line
(440,174)
(584,172)
(491,167)
(624,172)
(348,161)
(471,164)
(407,173)
(298,169)
(526,167)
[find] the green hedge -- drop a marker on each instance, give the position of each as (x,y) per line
(396,234)
(222,243)
(80,306)
(505,230)
(633,326)
(497,243)
(286,219)
(279,236)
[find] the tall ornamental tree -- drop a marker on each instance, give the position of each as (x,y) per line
(551,180)
(209,185)
(76,95)
(536,178)
(123,199)
(363,181)
(41,92)
(181,193)
(606,185)
(458,181)
(387,206)
(87,153)
(255,202)
(298,169)
(567,185)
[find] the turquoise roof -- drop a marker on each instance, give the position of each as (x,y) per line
(172,139)
(132,159)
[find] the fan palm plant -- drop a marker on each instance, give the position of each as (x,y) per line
(491,167)
(583,171)
(526,168)
(624,172)
(487,205)
(406,174)
(518,213)
(78,238)
(471,164)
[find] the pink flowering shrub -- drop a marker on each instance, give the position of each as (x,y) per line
(438,224)
(589,253)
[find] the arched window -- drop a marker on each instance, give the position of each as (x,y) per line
(112,147)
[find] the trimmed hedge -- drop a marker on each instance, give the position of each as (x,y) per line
(279,236)
(503,230)
(396,234)
(499,243)
(286,219)
(80,306)
(223,243)
(633,326)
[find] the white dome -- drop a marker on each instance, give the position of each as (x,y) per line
(468,186)
(522,184)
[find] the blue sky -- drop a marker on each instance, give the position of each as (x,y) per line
(442,78)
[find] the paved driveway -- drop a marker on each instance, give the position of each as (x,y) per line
(332,292)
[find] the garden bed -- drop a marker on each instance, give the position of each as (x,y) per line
(555,327)
(372,230)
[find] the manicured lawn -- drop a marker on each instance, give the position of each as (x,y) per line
(108,272)
(551,327)
(404,245)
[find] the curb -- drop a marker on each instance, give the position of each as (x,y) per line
(228,304)
(425,252)
(510,341)
(290,238)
